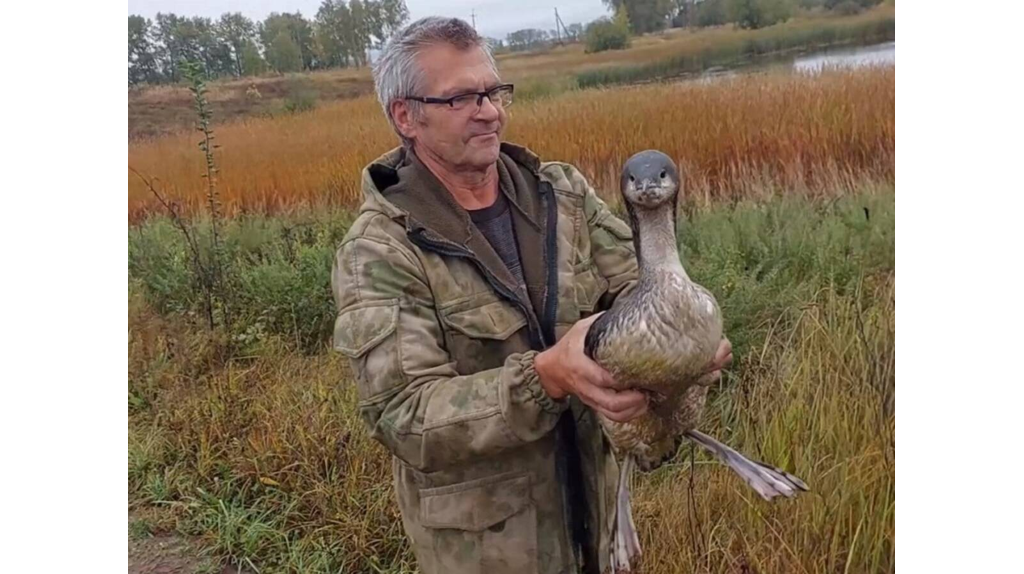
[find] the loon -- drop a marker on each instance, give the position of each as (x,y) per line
(659,338)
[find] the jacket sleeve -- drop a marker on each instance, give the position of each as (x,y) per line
(410,395)
(611,242)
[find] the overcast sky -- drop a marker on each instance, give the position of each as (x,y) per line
(494,18)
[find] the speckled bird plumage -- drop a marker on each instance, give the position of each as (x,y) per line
(659,339)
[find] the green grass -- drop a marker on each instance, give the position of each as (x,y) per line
(250,442)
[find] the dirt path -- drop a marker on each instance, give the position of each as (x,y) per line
(167,553)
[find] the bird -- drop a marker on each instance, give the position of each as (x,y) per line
(659,338)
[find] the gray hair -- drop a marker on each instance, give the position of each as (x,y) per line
(397,75)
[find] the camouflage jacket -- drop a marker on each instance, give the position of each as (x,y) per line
(442,346)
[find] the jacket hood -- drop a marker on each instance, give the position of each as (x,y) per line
(386,172)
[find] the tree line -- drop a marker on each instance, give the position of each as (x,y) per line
(654,15)
(634,17)
(340,35)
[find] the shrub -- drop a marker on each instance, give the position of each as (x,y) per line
(604,34)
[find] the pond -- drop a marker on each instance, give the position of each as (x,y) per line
(876,55)
(883,54)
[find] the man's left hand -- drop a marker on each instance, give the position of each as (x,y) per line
(723,358)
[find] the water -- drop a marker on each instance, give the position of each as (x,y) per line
(861,56)
(883,54)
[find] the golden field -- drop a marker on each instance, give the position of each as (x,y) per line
(732,136)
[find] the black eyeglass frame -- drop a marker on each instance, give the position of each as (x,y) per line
(451,101)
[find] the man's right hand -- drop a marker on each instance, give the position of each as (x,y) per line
(565,369)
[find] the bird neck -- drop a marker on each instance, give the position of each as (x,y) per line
(654,232)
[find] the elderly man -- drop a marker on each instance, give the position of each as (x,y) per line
(460,291)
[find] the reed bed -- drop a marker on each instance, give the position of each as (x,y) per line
(733,136)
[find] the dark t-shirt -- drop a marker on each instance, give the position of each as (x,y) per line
(495,222)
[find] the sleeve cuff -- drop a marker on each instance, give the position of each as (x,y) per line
(531,384)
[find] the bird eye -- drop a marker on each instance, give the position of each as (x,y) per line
(631,178)
(663,174)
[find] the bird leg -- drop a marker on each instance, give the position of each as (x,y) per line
(767,480)
(625,542)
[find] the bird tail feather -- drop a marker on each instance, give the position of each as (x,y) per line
(767,480)
(625,542)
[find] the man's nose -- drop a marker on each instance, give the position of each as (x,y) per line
(487,111)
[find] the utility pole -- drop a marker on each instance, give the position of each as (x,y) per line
(558,33)
(560,28)
(472,15)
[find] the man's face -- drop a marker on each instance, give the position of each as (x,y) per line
(468,138)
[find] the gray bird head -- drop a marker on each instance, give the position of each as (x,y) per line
(649,180)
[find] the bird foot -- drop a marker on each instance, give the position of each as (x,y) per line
(768,481)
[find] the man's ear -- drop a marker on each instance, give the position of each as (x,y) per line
(403,117)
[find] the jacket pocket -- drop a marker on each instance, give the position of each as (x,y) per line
(486,526)
(366,334)
(590,286)
(481,337)
(489,321)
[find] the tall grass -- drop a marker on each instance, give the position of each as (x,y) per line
(262,456)
(733,137)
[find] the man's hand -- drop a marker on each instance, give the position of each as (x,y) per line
(565,369)
(723,358)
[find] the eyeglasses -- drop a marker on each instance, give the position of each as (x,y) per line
(499,96)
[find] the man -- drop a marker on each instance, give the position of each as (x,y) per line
(464,290)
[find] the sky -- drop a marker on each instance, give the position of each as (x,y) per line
(494,18)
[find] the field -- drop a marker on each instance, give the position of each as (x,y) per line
(733,136)
(255,449)
(162,110)
(245,440)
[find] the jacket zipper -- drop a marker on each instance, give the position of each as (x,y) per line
(551,290)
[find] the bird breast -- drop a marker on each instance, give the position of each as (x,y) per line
(663,336)
(660,339)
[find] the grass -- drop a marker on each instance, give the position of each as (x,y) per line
(734,137)
(163,110)
(260,453)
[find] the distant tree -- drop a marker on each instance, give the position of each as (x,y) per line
(833,4)
(685,13)
(526,39)
(253,63)
(142,65)
(284,54)
(332,37)
(361,32)
(236,31)
(608,34)
(344,32)
(711,13)
(385,18)
(194,40)
(295,27)
(644,15)
(753,14)
(575,31)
